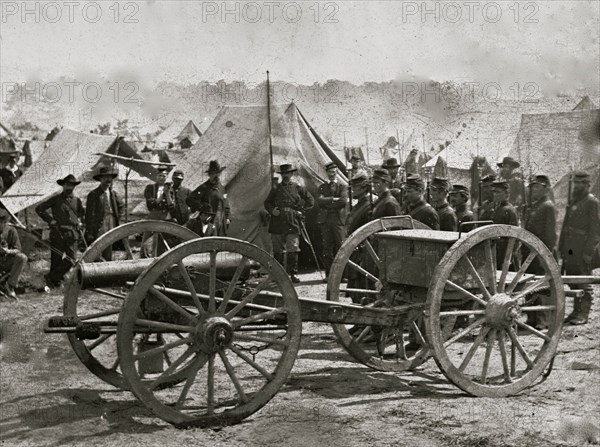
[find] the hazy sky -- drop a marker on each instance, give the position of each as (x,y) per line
(553,43)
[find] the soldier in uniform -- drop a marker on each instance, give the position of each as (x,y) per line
(361,212)
(104,209)
(486,209)
(386,204)
(65,214)
(459,197)
(11,172)
(579,236)
(12,258)
(180,210)
(332,201)
(201,221)
(213,192)
(286,204)
(356,169)
(540,220)
(504,213)
(417,207)
(159,196)
(439,198)
(393,167)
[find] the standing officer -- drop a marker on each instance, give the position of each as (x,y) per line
(386,205)
(486,208)
(504,213)
(541,221)
(213,192)
(332,201)
(159,196)
(439,199)
(515,182)
(361,212)
(65,228)
(180,210)
(579,236)
(11,172)
(287,203)
(459,197)
(104,209)
(418,208)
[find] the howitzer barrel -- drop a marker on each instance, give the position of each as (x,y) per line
(114,273)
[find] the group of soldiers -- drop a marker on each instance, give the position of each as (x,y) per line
(441,206)
(204,210)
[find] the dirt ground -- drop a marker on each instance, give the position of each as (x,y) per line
(48,398)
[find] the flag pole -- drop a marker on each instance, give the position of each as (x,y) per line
(270,135)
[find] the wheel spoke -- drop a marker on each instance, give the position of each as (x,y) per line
(119,296)
(233,376)
(516,343)
(258,317)
(115,364)
(162,236)
(502,345)
(491,257)
(197,364)
(506,263)
(357,267)
(100,314)
(233,312)
(212,282)
(537,308)
(165,374)
(210,384)
(513,358)
(533,331)
(485,292)
(474,346)
(363,334)
(172,304)
(464,332)
(232,284)
(251,362)
(511,287)
(190,286)
(167,358)
(166,326)
(162,348)
(372,253)
(466,293)
(99,341)
(488,352)
(274,341)
(458,313)
(418,334)
(536,285)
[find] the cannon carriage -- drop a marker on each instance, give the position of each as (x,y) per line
(206,331)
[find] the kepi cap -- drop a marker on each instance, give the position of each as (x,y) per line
(391,163)
(489,179)
(540,180)
(460,189)
(178,174)
(382,174)
(440,183)
(330,166)
(414,181)
(500,184)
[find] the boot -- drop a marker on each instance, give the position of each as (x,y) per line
(584,311)
(576,310)
(293,267)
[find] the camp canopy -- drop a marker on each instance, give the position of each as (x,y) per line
(238,138)
(70,152)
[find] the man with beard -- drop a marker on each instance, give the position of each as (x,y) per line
(213,192)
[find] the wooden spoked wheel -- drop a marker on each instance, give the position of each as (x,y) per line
(104,304)
(497,351)
(242,340)
(381,349)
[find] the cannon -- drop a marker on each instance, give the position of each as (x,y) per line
(209,330)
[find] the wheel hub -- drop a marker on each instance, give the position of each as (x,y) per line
(214,333)
(501,311)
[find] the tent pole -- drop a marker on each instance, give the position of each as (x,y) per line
(270,135)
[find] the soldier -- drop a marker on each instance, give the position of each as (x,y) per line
(416,206)
(180,210)
(104,209)
(332,201)
(486,208)
(11,172)
(515,182)
(439,198)
(213,192)
(65,228)
(504,213)
(361,212)
(393,167)
(12,259)
(541,221)
(459,197)
(579,236)
(201,221)
(286,204)
(159,196)
(386,204)
(356,169)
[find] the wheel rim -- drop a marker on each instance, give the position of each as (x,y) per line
(498,353)
(241,353)
(386,353)
(100,355)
